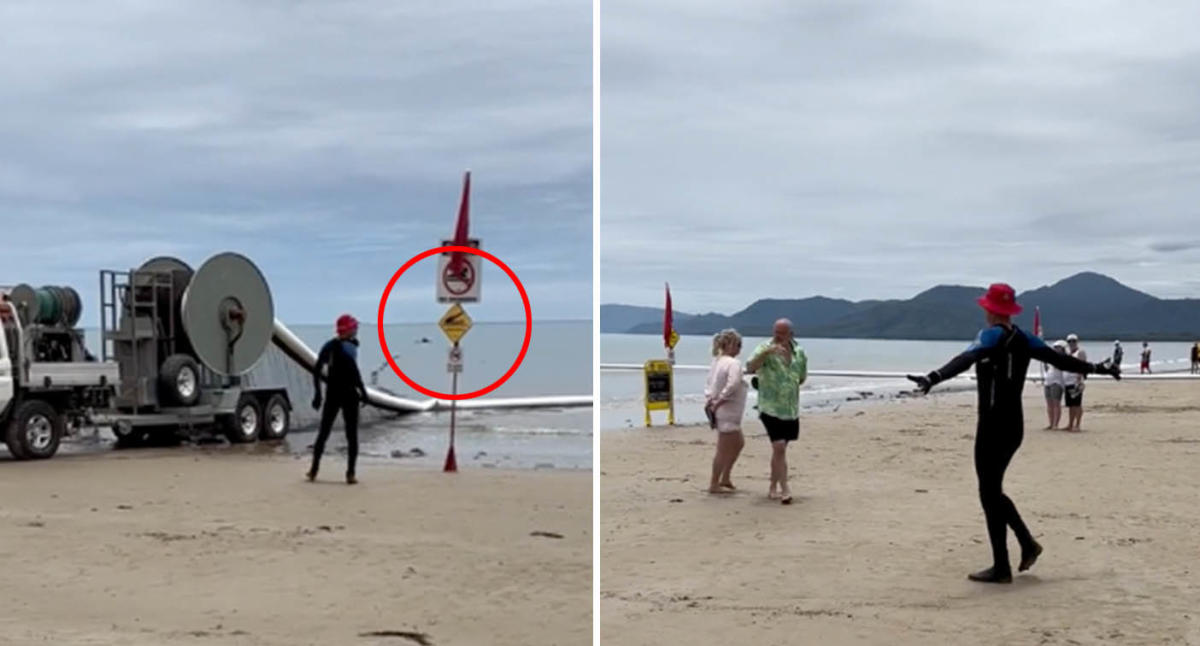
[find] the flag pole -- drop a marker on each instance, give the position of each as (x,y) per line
(668,338)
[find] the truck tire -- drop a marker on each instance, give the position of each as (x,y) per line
(34,431)
(179,380)
(277,418)
(246,422)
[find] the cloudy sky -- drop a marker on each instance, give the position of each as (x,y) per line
(325,140)
(871,150)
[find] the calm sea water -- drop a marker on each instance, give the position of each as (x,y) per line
(558,362)
(621,392)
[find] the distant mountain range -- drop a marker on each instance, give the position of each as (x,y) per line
(1088,304)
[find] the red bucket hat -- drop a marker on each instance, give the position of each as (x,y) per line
(1001,300)
(346,324)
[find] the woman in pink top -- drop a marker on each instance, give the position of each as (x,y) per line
(725,403)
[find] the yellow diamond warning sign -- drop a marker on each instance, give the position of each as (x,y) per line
(455,323)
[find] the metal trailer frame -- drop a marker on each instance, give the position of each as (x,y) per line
(123,293)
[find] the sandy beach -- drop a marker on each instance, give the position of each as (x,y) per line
(887,524)
(221,546)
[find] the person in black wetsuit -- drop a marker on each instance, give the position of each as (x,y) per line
(345,392)
(1001,355)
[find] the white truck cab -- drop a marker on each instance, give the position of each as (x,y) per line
(8,321)
(39,400)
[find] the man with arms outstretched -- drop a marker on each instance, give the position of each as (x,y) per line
(1001,355)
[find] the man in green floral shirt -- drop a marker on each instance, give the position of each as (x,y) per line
(781,366)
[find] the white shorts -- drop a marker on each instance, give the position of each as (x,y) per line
(729,420)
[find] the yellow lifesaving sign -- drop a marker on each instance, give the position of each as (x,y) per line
(660,387)
(455,323)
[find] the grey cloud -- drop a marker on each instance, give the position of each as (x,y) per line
(326,140)
(1172,247)
(756,149)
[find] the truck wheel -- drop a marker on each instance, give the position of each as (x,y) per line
(276,418)
(34,431)
(246,422)
(179,380)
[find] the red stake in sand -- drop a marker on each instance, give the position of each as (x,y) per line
(451,465)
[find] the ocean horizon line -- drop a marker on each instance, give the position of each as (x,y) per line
(1098,337)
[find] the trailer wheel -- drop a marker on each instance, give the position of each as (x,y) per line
(129,436)
(179,380)
(34,431)
(276,418)
(246,422)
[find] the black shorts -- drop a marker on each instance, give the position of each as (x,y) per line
(781,430)
(1074,397)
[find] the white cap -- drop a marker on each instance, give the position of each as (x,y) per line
(1116,343)
(1060,344)
(1072,337)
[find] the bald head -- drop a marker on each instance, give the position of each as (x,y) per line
(783,331)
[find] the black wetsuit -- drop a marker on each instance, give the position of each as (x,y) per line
(344,392)
(1001,357)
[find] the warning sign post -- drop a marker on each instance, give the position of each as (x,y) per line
(459,282)
(455,324)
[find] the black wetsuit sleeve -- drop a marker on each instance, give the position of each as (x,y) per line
(983,343)
(956,366)
(1064,362)
(322,359)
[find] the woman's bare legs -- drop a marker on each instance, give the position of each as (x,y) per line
(718,465)
(1054,409)
(733,449)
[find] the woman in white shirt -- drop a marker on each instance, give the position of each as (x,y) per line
(725,404)
(1054,390)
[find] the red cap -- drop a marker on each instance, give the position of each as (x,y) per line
(346,324)
(1001,300)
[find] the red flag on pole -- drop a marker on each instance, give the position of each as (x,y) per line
(460,229)
(668,323)
(1037,322)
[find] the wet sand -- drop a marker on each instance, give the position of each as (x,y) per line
(216,546)
(887,524)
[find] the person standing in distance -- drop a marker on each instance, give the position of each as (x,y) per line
(1073,386)
(1001,355)
(1054,390)
(345,392)
(782,367)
